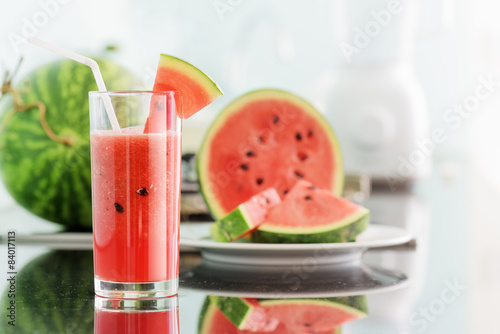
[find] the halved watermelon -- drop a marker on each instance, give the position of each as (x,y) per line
(311,215)
(321,316)
(266,138)
(195,88)
(247,217)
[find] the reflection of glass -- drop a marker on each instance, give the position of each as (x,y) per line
(136,316)
(135,194)
(296,315)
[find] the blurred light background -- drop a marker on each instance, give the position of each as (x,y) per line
(431,55)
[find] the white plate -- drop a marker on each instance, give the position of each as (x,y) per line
(198,236)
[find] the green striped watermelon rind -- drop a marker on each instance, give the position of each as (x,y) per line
(203,83)
(343,231)
(239,222)
(203,154)
(194,72)
(50,179)
(356,305)
(237,310)
(232,226)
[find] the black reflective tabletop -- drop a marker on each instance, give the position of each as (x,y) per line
(411,289)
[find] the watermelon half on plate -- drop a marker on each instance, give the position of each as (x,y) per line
(266,138)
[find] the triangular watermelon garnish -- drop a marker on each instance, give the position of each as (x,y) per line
(192,86)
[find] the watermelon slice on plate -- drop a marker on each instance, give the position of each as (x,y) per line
(266,138)
(246,217)
(312,215)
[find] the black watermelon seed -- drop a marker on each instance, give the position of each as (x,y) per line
(119,208)
(308,198)
(285,192)
(267,200)
(142,192)
(250,154)
(260,180)
(244,166)
(302,156)
(299,174)
(310,133)
(307,324)
(276,119)
(298,136)
(260,139)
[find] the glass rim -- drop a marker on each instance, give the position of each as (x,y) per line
(134,92)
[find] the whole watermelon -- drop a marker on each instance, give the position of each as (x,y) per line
(54,293)
(49,178)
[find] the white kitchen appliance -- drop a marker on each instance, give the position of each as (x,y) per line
(375,103)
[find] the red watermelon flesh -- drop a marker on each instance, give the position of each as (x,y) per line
(304,318)
(260,319)
(159,115)
(306,203)
(221,325)
(217,323)
(266,138)
(246,218)
(257,207)
(312,215)
(193,87)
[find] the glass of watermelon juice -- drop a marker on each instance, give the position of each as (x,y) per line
(135,194)
(127,316)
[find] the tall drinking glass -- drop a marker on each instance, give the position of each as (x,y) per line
(135,194)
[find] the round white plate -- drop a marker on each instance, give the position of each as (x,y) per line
(198,236)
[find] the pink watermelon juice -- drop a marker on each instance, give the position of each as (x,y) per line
(135,190)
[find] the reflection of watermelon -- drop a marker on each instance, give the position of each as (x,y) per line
(322,315)
(246,217)
(245,313)
(311,215)
(54,294)
(49,178)
(266,138)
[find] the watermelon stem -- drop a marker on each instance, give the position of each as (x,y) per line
(19,106)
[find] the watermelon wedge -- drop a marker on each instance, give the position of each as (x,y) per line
(321,316)
(245,313)
(312,215)
(193,86)
(246,217)
(266,138)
